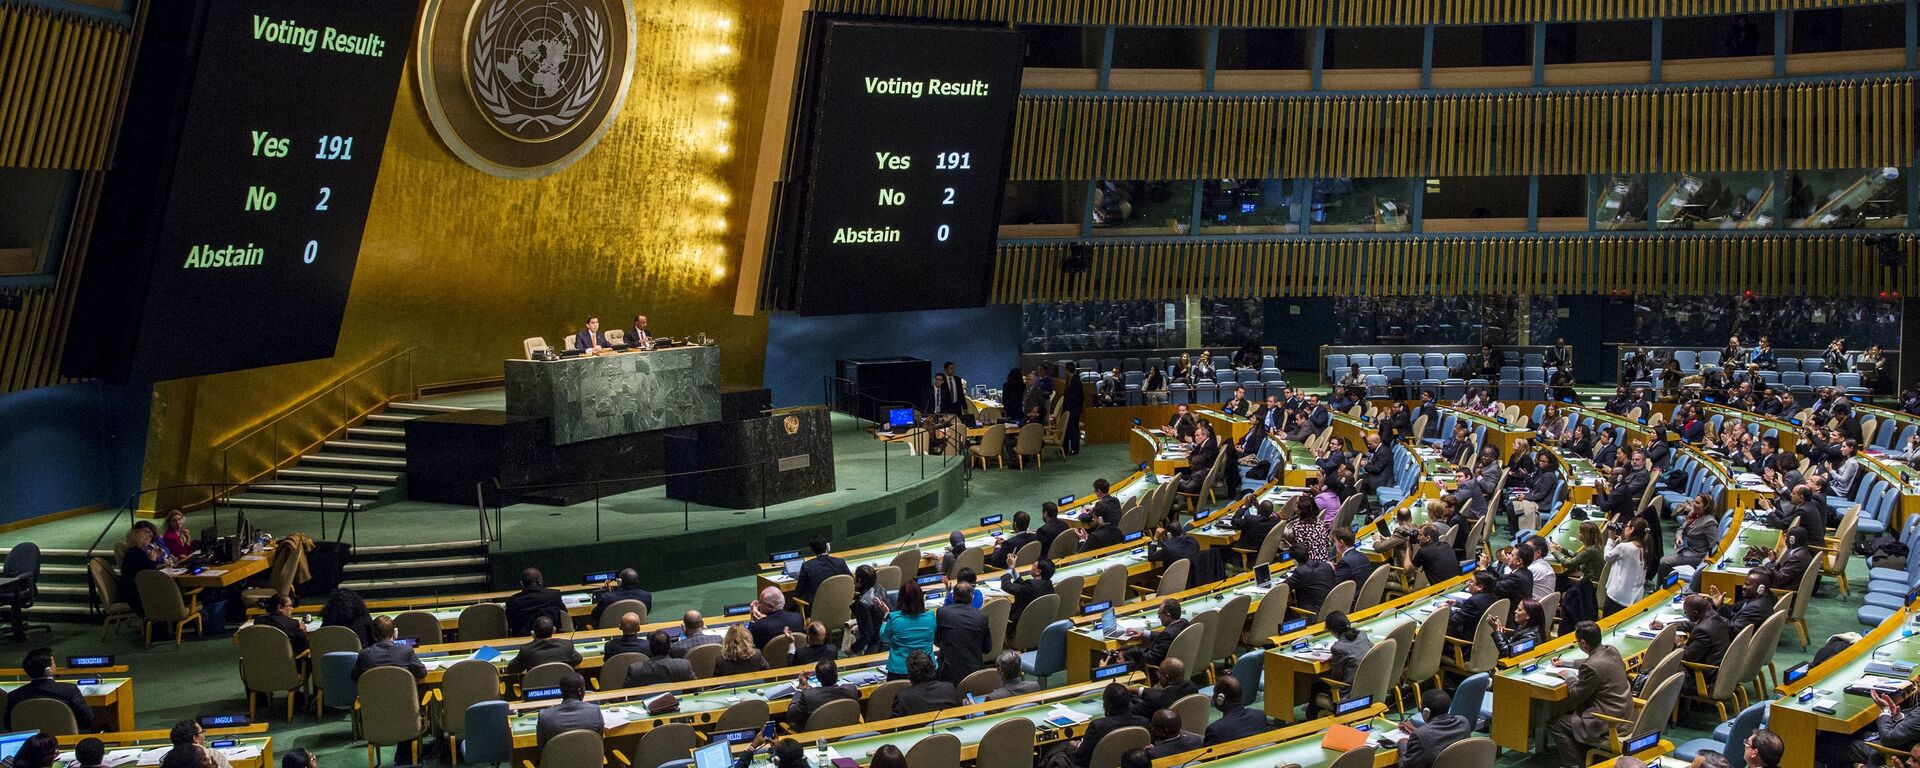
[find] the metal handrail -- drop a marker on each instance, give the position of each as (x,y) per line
(218,492)
(346,420)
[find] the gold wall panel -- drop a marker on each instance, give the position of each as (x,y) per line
(60,82)
(1309,13)
(1840,124)
(461,266)
(1820,265)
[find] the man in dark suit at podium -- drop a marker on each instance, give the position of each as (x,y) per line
(590,338)
(637,335)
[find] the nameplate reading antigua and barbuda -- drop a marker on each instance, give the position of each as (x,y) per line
(904,153)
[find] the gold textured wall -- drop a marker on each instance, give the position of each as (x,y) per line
(1307,13)
(461,266)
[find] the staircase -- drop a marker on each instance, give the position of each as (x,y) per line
(370,462)
(407,570)
(63,585)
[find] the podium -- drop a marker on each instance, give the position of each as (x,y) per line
(782,456)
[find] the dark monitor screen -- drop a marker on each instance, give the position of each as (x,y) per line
(233,216)
(900,163)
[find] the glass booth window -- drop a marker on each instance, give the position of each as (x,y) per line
(1361,205)
(1247,206)
(1062,47)
(1059,326)
(1714,201)
(1847,199)
(1142,208)
(1041,202)
(1262,49)
(1619,203)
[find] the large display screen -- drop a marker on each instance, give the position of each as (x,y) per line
(904,161)
(242,235)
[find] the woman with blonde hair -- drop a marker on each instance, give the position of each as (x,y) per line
(177,539)
(737,654)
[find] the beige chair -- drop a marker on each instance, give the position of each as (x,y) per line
(1192,709)
(703,658)
(1343,517)
(1338,599)
(1659,671)
(1064,546)
(1187,647)
(116,610)
(1034,620)
(569,343)
(1662,643)
(1477,752)
(1653,716)
(1550,607)
(1029,442)
(1725,687)
(482,621)
(1228,628)
(1797,616)
(49,716)
(743,714)
(1268,615)
(1370,677)
(1070,590)
(1028,553)
(880,701)
(166,605)
(941,750)
(888,577)
(1429,650)
(1112,586)
(267,665)
(1373,590)
(616,336)
(546,675)
(1208,487)
(778,651)
(1133,519)
(420,625)
(1008,744)
(972,558)
(1172,581)
(533,344)
(389,710)
(1839,550)
(1480,653)
(832,604)
(979,682)
(665,744)
(1054,438)
(992,446)
(1765,641)
(574,749)
(1209,620)
(997,611)
(1120,741)
(1268,548)
(613,672)
(321,642)
(1402,634)
(1358,757)
(609,615)
(838,713)
(279,577)
(1419,429)
(463,685)
(908,561)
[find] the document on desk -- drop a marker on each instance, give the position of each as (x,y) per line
(1544,677)
(152,756)
(1869,684)
(210,572)
(614,717)
(247,752)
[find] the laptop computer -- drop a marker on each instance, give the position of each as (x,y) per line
(1109,623)
(10,743)
(1263,575)
(718,754)
(792,567)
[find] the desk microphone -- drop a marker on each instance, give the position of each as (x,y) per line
(1199,757)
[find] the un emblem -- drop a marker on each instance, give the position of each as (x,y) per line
(523,88)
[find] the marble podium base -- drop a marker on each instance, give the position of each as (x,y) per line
(588,398)
(780,457)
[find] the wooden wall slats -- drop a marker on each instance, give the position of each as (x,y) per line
(1305,13)
(1853,123)
(1773,264)
(59,76)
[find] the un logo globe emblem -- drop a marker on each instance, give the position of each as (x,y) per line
(523,88)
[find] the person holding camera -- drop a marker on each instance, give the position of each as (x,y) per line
(1626,548)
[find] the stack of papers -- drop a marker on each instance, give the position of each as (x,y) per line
(1059,711)
(1544,677)
(242,752)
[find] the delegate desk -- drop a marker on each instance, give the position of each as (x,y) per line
(1729,570)
(1217,534)
(1899,476)
(1229,427)
(1788,434)
(1300,466)
(1087,644)
(1580,475)
(578,599)
(110,697)
(590,397)
(1794,715)
(701,702)
(1297,744)
(244,747)
(1351,429)
(1527,692)
(1057,714)
(1300,656)
(1601,418)
(1500,435)
(223,575)
(986,535)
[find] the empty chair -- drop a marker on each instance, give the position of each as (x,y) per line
(1008,744)
(482,621)
(420,625)
(166,605)
(939,750)
(665,743)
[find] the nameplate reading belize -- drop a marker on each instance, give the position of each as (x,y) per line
(908,153)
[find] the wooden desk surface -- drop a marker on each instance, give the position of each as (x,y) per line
(1797,722)
(1292,744)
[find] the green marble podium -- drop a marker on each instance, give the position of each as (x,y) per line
(588,398)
